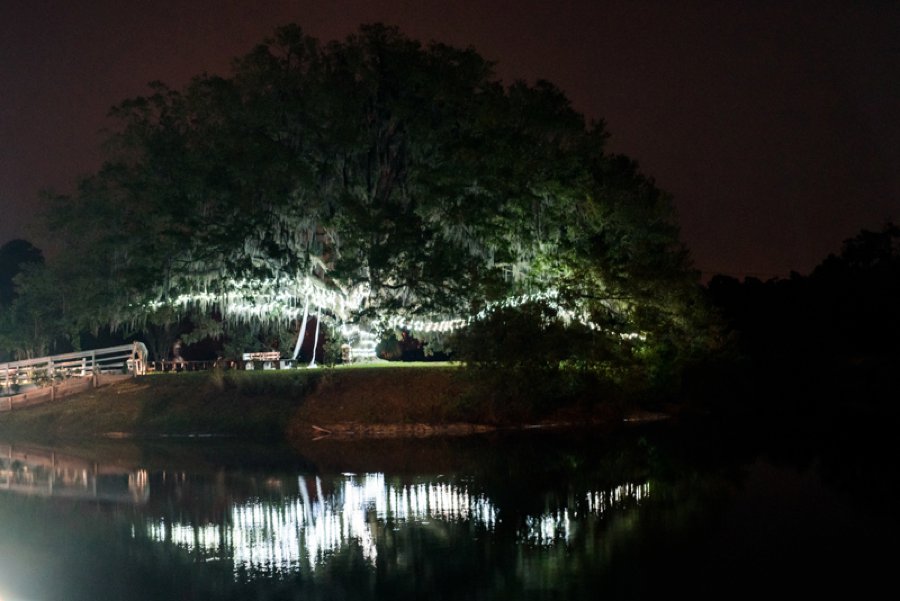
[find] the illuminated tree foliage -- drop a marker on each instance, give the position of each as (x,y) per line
(402,172)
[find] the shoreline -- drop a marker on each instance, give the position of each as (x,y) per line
(394,401)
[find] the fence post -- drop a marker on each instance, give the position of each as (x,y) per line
(51,375)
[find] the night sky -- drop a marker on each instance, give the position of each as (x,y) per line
(775,125)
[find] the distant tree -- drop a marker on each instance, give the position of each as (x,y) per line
(15,255)
(33,322)
(21,333)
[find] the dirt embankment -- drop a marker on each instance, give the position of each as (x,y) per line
(384,401)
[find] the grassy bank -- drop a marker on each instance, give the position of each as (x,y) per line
(167,404)
(406,399)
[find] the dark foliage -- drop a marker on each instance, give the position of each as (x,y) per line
(14,256)
(849,306)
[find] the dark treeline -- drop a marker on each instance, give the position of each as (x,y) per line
(848,307)
(829,338)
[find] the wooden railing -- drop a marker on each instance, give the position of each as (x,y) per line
(17,376)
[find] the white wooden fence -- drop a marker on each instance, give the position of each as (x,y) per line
(19,376)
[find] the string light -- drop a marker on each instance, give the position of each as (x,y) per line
(268,299)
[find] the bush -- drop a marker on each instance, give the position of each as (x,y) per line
(530,336)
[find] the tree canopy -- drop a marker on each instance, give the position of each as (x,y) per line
(401,174)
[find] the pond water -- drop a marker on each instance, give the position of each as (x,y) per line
(643,513)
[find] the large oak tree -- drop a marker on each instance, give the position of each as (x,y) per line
(381,164)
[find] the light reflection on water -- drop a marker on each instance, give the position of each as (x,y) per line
(302,531)
(517,518)
(557,526)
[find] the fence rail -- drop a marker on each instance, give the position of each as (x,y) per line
(17,376)
(182,365)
